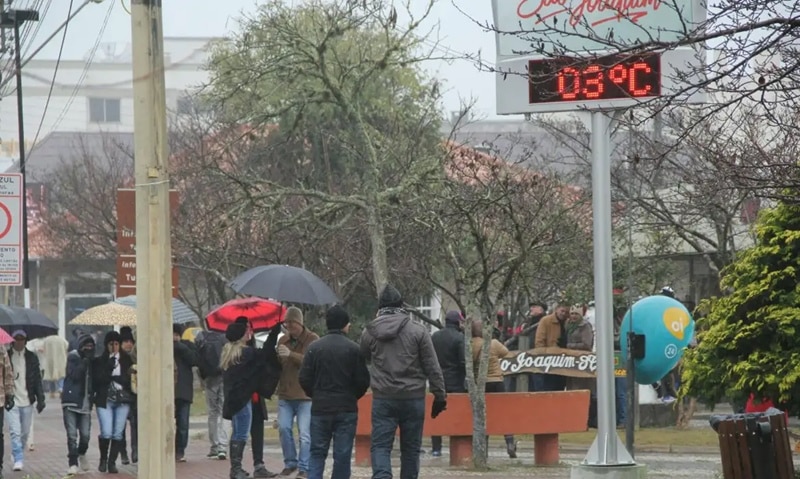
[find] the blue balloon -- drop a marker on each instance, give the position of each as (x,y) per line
(668,328)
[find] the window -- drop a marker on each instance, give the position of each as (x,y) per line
(430,305)
(104,110)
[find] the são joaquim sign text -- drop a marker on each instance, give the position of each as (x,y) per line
(563,362)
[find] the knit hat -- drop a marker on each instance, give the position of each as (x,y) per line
(111,336)
(293,315)
(235,332)
(453,317)
(84,339)
(177,329)
(126,334)
(336,318)
(390,297)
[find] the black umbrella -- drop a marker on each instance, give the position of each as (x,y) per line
(34,323)
(284,283)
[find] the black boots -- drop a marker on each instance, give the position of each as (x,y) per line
(114,450)
(511,447)
(103,444)
(237,451)
(123,452)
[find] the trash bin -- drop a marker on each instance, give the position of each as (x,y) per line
(754,446)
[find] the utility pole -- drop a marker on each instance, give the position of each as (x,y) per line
(153,251)
(13,19)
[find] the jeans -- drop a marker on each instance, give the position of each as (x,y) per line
(549,382)
(19,425)
(621,399)
(257,434)
(241,423)
(181,426)
(112,419)
(288,409)
(387,416)
(215,396)
(342,429)
(79,427)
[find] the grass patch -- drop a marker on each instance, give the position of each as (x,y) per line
(668,436)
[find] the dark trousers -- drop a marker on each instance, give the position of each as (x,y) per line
(341,428)
(621,399)
(78,427)
(133,419)
(257,434)
(549,382)
(436,441)
(387,416)
(181,426)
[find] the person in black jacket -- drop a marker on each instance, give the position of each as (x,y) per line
(76,402)
(334,375)
(185,356)
(449,346)
(111,386)
(246,372)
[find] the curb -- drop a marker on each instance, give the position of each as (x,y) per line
(668,449)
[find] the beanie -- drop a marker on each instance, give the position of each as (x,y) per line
(390,297)
(293,315)
(84,339)
(112,336)
(453,317)
(235,332)
(336,318)
(242,320)
(177,329)
(126,334)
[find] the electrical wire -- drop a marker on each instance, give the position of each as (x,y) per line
(127,10)
(53,82)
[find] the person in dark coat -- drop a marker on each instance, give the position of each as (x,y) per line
(111,386)
(185,356)
(271,378)
(449,346)
(245,373)
(76,402)
(334,375)
(129,346)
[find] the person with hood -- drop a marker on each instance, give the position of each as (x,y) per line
(6,397)
(185,356)
(551,333)
(292,400)
(494,373)
(403,363)
(28,389)
(76,402)
(111,386)
(244,375)
(449,346)
(128,344)
(271,377)
(334,375)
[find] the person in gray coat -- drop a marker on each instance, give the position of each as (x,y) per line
(402,361)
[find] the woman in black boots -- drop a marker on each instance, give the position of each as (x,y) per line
(111,381)
(244,374)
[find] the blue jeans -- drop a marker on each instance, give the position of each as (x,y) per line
(387,416)
(112,419)
(182,409)
(79,427)
(620,395)
(241,423)
(287,411)
(19,426)
(342,429)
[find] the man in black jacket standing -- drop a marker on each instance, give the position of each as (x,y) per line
(185,356)
(334,375)
(449,346)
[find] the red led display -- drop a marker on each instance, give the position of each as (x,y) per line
(604,78)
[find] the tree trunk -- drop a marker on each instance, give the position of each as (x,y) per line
(377,239)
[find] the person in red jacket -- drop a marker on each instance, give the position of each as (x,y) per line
(761,406)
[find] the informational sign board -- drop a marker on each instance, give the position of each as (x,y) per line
(564,55)
(126,242)
(11,229)
(562,362)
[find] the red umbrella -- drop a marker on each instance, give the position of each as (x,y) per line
(264,314)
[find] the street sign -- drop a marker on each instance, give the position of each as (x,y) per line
(11,229)
(126,242)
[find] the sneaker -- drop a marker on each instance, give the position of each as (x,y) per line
(84,463)
(222,455)
(31,447)
(72,471)
(18,466)
(212,455)
(668,399)
(301,475)
(436,453)
(261,471)
(287,471)
(180,458)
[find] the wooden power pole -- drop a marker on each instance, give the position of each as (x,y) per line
(153,251)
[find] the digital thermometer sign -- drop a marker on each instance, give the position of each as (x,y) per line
(604,78)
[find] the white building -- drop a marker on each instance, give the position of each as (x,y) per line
(94,93)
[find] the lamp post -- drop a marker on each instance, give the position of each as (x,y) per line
(13,19)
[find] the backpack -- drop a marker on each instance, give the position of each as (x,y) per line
(209,353)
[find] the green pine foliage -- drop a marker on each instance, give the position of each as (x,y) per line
(749,342)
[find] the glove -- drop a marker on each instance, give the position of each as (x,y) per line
(9,403)
(283,351)
(40,407)
(439,405)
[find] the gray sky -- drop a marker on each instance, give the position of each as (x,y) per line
(456,32)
